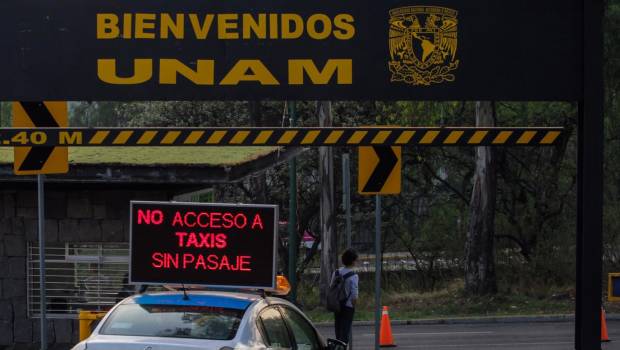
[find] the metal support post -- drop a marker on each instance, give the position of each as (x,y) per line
(41,216)
(293,241)
(378,260)
(590,183)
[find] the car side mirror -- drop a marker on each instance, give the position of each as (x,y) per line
(333,344)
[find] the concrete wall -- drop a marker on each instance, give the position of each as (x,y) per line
(71,216)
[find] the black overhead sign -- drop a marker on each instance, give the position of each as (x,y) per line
(281,49)
(221,245)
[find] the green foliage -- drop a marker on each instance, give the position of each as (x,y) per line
(450,302)
(536,186)
(95,114)
(5,114)
(536,195)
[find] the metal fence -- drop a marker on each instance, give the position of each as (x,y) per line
(78,277)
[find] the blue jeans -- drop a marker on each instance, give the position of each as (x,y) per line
(344,323)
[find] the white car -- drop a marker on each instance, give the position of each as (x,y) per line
(205,320)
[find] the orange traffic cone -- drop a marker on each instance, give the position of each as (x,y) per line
(386,339)
(604,335)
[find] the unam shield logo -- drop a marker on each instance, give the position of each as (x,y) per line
(423,41)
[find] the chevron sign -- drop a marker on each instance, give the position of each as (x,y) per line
(40,159)
(380,170)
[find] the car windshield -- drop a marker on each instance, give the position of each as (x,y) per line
(200,322)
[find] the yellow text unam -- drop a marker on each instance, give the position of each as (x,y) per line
(243,71)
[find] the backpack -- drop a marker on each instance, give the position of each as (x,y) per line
(336,294)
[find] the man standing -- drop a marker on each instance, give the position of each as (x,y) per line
(348,279)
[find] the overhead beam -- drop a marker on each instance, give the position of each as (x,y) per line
(306,137)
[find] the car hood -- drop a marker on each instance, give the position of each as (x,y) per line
(112,342)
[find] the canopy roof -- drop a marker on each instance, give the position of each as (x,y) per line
(158,156)
(156,165)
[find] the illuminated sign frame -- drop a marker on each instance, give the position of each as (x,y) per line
(272,283)
(610,277)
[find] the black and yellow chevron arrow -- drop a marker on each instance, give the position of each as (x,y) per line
(307,137)
(40,159)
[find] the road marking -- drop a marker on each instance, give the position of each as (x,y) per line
(430,333)
(467,346)
(483,345)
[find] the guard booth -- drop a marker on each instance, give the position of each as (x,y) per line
(87,229)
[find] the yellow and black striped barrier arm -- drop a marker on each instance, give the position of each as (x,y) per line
(305,137)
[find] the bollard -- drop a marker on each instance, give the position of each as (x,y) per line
(88,320)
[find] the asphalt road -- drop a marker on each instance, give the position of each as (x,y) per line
(511,336)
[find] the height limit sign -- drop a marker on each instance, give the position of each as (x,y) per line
(379,170)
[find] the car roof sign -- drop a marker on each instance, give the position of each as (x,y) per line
(220,245)
(194,300)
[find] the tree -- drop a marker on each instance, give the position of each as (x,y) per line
(479,247)
(5,114)
(258,181)
(329,239)
(533,223)
(612,135)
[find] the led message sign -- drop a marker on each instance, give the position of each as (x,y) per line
(320,49)
(209,244)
